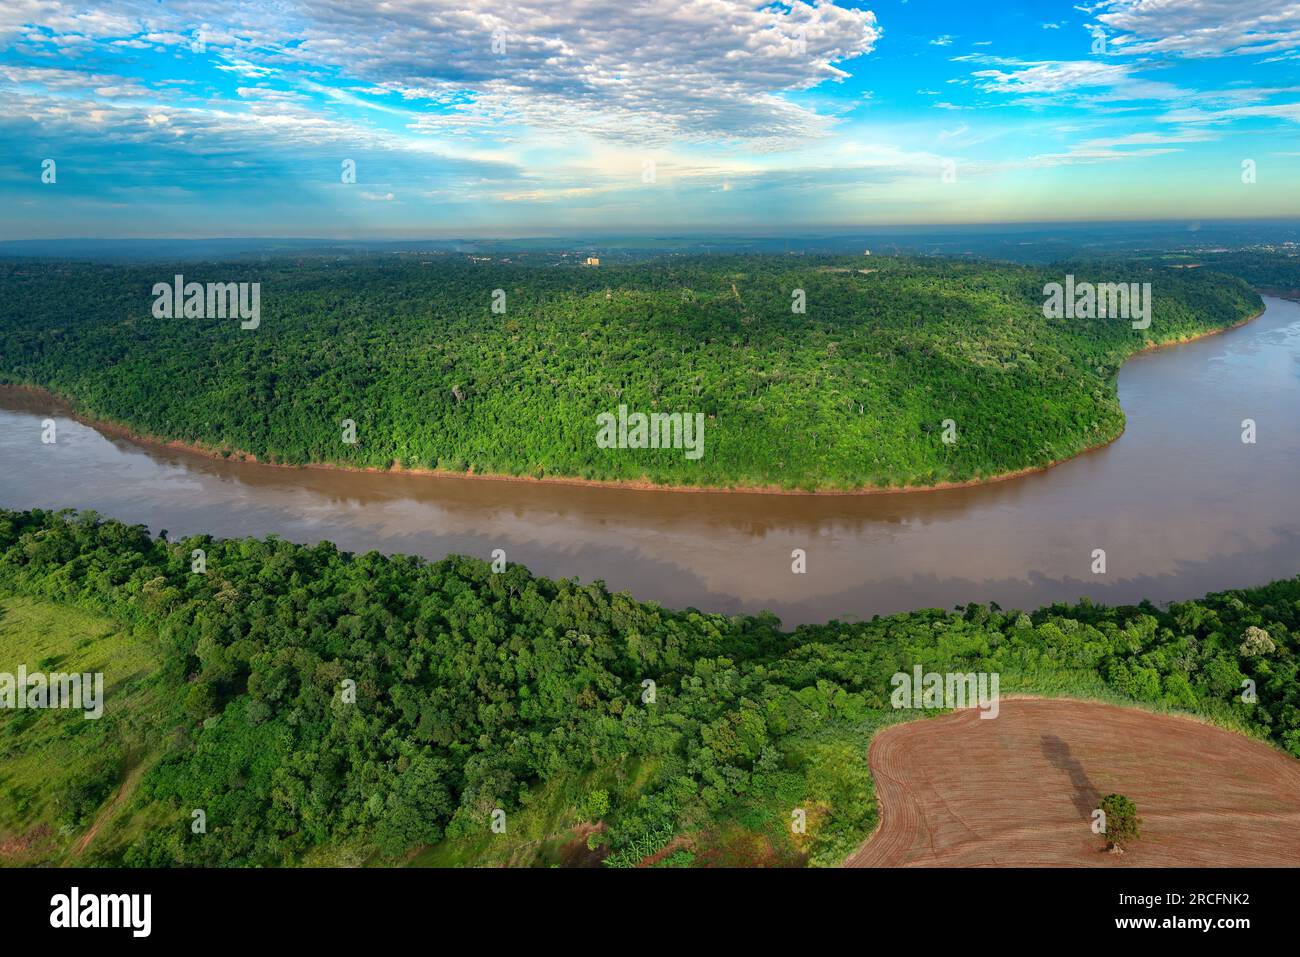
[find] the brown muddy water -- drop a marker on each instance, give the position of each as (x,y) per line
(1179,503)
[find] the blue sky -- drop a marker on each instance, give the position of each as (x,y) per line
(222,118)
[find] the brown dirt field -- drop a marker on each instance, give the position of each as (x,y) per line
(576,854)
(19,846)
(1019,790)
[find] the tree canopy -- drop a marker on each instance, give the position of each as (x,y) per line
(475,691)
(852,392)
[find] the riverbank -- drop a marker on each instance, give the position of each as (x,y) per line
(122,431)
(1050,706)
(1179,504)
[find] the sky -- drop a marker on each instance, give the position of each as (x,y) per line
(425,118)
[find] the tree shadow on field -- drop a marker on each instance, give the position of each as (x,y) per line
(1086,797)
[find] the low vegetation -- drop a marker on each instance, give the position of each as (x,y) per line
(57,769)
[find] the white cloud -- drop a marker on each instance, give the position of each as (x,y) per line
(1091,154)
(1201,27)
(104,85)
(1053,77)
(63,18)
(1273,111)
(656,73)
(1116,148)
(245,69)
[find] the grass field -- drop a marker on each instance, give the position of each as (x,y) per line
(59,772)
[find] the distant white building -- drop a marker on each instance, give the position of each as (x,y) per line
(867,253)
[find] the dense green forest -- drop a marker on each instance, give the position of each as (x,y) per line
(477,691)
(1273,270)
(852,392)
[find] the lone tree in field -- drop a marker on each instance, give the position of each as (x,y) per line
(1122,821)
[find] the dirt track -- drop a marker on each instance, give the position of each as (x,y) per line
(1019,789)
(124,789)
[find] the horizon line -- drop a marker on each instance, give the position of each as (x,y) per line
(800,232)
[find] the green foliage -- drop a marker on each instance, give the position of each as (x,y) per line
(596,806)
(79,797)
(477,691)
(1272,269)
(1122,821)
(678,859)
(851,393)
(200,700)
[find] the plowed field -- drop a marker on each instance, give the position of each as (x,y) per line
(1019,789)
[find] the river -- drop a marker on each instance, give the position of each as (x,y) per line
(1179,503)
